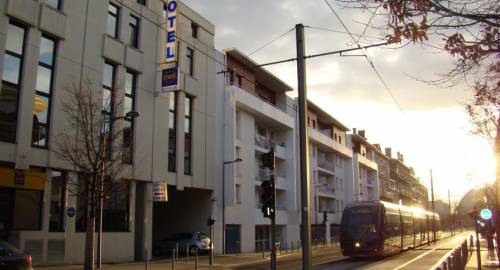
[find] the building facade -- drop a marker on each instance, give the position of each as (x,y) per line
(330,159)
(115,47)
(365,184)
(257,115)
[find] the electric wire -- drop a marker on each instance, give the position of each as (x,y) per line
(270,42)
(367,57)
(339,32)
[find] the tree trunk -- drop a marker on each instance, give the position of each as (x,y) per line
(89,243)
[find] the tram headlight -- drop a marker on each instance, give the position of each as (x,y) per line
(357,245)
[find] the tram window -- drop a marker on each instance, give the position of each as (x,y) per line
(361,223)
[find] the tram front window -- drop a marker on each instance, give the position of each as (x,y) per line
(361,223)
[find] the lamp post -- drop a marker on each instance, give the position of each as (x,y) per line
(129,116)
(224,201)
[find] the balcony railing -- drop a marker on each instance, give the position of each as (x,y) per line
(326,165)
(262,141)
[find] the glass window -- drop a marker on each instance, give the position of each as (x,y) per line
(11,68)
(11,77)
(54,3)
(15,39)
(112,24)
(190,61)
(107,79)
(128,130)
(134,31)
(47,51)
(194,30)
(29,203)
(116,207)
(108,87)
(187,134)
(43,79)
(57,201)
(142,2)
(81,204)
(172,124)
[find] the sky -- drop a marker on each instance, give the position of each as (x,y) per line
(427,124)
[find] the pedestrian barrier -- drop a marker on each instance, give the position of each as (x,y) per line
(456,258)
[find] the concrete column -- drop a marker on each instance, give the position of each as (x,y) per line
(148,218)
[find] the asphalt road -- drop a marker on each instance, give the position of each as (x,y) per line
(416,259)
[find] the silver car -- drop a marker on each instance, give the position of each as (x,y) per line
(186,242)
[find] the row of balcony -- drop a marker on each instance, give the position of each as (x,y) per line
(265,144)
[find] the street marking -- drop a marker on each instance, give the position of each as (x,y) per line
(424,254)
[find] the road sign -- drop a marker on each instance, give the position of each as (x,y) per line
(486,214)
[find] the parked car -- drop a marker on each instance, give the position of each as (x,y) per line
(12,258)
(186,242)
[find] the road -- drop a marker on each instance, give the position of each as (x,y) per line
(419,258)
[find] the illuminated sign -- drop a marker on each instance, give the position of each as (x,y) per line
(160,193)
(170,39)
(169,79)
(486,214)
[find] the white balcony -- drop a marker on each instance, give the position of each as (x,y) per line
(280,151)
(326,167)
(328,143)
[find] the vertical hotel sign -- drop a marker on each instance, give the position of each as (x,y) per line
(169,76)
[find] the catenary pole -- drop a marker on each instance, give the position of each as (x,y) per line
(450,213)
(304,150)
(433,211)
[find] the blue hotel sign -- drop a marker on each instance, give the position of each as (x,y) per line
(169,79)
(171,40)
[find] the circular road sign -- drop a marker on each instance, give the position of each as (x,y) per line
(486,214)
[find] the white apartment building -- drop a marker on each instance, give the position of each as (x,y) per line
(117,45)
(365,184)
(330,160)
(257,115)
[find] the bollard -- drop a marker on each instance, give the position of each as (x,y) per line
(292,246)
(173,259)
(196,259)
(176,252)
(146,261)
(286,247)
(450,264)
(187,253)
(263,249)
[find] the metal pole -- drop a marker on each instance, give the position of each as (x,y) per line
(196,259)
(273,240)
(304,150)
(146,262)
(450,215)
(223,207)
(478,247)
(173,259)
(433,211)
(211,255)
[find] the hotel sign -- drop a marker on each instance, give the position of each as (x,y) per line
(169,79)
(171,40)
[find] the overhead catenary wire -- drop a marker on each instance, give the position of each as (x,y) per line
(367,57)
(270,42)
(339,32)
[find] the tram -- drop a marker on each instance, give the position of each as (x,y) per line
(378,228)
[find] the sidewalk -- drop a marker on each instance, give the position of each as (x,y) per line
(220,262)
(488,258)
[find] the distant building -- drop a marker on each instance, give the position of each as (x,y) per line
(388,190)
(330,161)
(365,184)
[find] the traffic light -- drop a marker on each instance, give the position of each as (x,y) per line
(268,159)
(268,198)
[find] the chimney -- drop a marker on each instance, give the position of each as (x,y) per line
(378,146)
(400,157)
(362,134)
(388,152)
(354,131)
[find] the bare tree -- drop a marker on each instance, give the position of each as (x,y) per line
(92,144)
(468,30)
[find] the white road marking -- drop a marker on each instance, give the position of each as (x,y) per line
(424,254)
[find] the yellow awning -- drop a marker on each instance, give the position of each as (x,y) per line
(22,179)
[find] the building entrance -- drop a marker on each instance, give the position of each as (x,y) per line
(6,207)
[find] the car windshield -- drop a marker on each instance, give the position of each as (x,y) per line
(202,236)
(8,249)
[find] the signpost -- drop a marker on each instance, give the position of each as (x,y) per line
(486,214)
(160,193)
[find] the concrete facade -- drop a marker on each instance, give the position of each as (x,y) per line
(257,115)
(79,28)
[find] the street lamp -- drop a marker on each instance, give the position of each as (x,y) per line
(224,201)
(131,115)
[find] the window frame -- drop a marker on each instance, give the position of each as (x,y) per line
(61,216)
(104,113)
(134,31)
(172,133)
(194,30)
(59,4)
(190,62)
(188,155)
(131,122)
(141,2)
(19,84)
(116,17)
(46,95)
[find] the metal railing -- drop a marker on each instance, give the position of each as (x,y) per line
(456,258)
